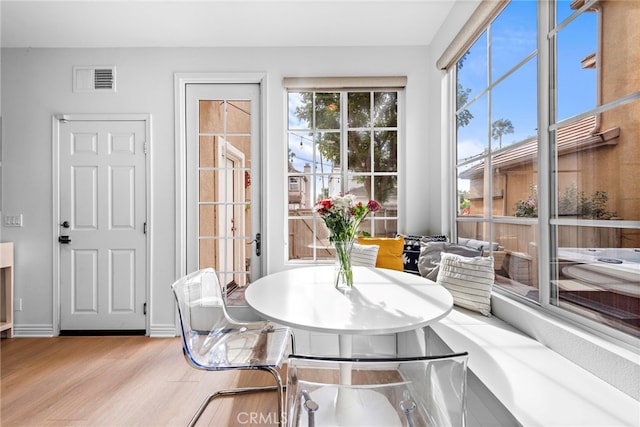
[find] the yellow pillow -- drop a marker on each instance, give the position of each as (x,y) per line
(390,252)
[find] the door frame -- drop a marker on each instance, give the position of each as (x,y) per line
(236,156)
(181,80)
(55,190)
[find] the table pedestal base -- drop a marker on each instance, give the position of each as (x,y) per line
(352,407)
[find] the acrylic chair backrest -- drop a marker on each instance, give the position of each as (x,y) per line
(418,391)
(206,325)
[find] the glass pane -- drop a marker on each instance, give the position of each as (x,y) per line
(211,116)
(327,110)
(299,110)
(385,109)
(597,277)
(239,116)
(206,253)
(359,109)
(361,187)
(300,151)
(207,217)
(472,135)
(515,181)
(513,36)
(206,151)
(299,192)
(207,186)
(302,243)
(384,227)
(620,56)
(564,10)
(596,166)
(359,151)
(577,44)
(385,151)
(465,174)
(515,258)
(328,151)
(472,71)
(385,191)
(514,107)
(470,198)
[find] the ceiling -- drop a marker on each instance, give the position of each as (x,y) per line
(215,23)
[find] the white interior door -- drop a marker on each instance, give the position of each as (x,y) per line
(222,186)
(102,212)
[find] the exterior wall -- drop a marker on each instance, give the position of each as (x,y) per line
(619,77)
(609,167)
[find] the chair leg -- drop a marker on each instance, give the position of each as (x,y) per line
(245,390)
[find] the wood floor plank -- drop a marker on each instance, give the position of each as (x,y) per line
(118,381)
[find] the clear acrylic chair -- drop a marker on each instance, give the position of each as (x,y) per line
(213,341)
(413,391)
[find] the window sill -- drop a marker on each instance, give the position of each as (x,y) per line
(608,360)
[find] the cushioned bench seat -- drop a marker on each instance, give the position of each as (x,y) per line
(538,386)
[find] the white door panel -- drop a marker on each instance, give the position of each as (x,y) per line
(102,197)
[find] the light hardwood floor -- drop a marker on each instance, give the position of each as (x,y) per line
(120,381)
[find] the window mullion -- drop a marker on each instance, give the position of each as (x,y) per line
(546,110)
(344,138)
(488,211)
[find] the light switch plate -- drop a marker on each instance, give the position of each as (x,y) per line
(13,220)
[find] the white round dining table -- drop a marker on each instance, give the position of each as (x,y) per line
(382,301)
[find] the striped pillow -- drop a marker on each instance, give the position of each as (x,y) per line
(469,280)
(365,255)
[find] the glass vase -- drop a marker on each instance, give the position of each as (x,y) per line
(344,270)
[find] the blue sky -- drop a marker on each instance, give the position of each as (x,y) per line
(513,38)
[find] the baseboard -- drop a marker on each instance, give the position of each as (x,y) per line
(33,331)
(102,333)
(163,331)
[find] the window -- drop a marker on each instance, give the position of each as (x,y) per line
(340,141)
(294,184)
(555,193)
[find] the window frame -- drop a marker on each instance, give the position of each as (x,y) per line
(345,86)
(546,110)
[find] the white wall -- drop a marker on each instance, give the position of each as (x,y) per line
(37,83)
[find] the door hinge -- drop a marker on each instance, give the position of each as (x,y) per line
(144,228)
(145,148)
(144,308)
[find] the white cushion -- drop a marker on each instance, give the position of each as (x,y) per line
(468,279)
(364,255)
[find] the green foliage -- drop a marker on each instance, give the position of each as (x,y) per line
(570,202)
(325,113)
(465,116)
(595,206)
(499,128)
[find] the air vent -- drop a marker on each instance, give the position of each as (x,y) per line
(94,79)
